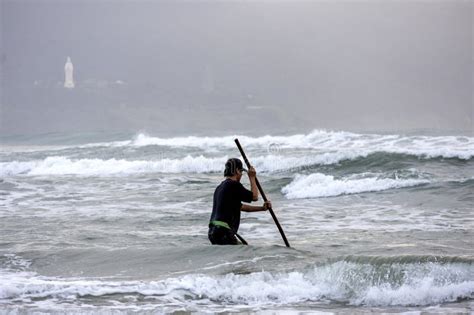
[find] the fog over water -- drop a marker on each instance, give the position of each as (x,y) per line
(207,67)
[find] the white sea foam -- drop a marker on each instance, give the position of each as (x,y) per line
(284,153)
(406,284)
(447,146)
(61,165)
(320,185)
(326,141)
(96,167)
(348,143)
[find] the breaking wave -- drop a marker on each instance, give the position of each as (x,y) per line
(461,147)
(389,282)
(272,163)
(61,165)
(320,185)
(96,167)
(429,146)
(424,146)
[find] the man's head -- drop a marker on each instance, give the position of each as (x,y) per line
(233,167)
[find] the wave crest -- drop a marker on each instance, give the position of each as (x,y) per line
(389,284)
(60,165)
(320,185)
(460,147)
(423,146)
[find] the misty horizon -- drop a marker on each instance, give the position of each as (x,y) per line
(207,67)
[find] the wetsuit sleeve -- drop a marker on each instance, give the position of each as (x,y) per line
(245,195)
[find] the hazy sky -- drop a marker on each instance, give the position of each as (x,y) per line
(356,65)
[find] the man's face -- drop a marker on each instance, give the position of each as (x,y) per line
(239,174)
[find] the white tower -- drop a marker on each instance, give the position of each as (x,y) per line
(68,74)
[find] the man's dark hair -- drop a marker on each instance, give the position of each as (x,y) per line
(231,166)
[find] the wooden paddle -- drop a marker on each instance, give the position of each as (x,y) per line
(263,194)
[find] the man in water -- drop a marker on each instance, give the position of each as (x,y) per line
(228,197)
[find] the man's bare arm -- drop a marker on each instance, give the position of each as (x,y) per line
(253,184)
(248,208)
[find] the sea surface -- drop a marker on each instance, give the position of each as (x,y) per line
(118,224)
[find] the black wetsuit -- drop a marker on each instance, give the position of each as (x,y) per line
(228,198)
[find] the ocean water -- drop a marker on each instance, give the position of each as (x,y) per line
(377,223)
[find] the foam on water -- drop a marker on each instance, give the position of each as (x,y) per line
(425,146)
(386,284)
(63,165)
(320,185)
(460,147)
(60,165)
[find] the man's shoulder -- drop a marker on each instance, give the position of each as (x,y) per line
(229,183)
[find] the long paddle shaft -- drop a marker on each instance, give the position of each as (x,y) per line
(263,194)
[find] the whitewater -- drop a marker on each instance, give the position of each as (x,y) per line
(377,223)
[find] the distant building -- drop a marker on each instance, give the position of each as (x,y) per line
(68,74)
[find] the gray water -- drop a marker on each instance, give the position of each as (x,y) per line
(376,223)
